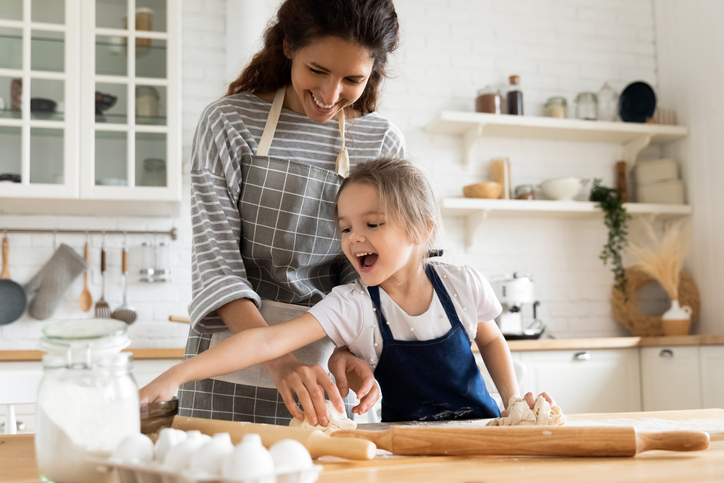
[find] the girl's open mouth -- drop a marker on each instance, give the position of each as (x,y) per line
(366,261)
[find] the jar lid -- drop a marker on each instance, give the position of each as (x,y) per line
(586,96)
(488,90)
(104,335)
(514,80)
(557,100)
(147,91)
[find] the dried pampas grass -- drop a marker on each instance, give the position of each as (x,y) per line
(664,259)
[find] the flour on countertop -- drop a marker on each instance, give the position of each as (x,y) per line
(715,427)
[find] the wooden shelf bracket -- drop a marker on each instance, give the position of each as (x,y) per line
(473,221)
(631,150)
(469,138)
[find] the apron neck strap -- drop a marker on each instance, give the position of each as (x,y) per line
(271,122)
(342,164)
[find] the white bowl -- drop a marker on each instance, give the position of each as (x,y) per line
(563,189)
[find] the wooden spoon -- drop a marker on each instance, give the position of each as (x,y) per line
(86,299)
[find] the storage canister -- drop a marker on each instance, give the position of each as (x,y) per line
(489,100)
(87,399)
(556,107)
(587,106)
(524,192)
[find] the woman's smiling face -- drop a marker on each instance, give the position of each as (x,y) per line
(327,76)
(378,247)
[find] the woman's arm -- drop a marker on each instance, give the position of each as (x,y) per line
(290,376)
(496,355)
(242,350)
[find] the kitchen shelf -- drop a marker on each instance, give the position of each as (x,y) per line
(633,137)
(476,211)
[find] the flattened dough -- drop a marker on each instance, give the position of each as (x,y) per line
(337,421)
(521,414)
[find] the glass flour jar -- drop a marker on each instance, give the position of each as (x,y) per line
(87,400)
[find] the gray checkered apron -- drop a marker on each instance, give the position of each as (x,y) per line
(287,212)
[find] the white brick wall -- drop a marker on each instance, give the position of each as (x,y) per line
(450,49)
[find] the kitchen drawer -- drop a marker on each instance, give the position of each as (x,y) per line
(586,381)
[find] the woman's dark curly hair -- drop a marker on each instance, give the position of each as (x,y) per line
(369,23)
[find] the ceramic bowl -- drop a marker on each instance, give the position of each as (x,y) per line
(488,189)
(563,189)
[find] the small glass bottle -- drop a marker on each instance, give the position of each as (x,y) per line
(587,106)
(148,261)
(87,399)
(515,96)
(556,107)
(489,100)
(162,268)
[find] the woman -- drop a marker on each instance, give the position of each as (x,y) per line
(267,162)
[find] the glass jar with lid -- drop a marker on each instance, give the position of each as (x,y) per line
(587,106)
(556,107)
(489,100)
(87,399)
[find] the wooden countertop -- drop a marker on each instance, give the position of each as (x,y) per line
(17,463)
(515,346)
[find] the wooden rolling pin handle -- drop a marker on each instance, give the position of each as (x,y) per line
(320,444)
(672,441)
(177,318)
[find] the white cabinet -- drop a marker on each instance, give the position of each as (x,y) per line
(711,360)
(670,378)
(586,381)
(88,117)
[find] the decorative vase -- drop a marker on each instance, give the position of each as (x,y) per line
(676,320)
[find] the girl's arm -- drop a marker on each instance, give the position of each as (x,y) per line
(244,349)
(288,374)
(496,355)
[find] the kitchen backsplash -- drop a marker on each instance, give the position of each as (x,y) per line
(449,50)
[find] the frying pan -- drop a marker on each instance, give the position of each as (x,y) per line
(13,298)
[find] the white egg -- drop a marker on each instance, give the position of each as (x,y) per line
(290,455)
(179,457)
(249,460)
(167,439)
(135,448)
(210,456)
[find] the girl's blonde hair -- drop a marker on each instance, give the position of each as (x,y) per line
(405,196)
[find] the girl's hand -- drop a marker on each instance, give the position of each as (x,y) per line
(351,372)
(163,388)
(530,399)
(309,383)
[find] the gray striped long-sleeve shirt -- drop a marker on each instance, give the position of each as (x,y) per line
(226,138)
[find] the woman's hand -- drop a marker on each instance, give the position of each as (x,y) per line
(530,399)
(163,388)
(351,372)
(309,383)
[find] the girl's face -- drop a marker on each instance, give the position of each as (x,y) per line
(327,76)
(378,247)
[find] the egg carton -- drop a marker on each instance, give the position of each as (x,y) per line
(155,473)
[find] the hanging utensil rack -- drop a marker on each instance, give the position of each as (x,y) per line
(172,233)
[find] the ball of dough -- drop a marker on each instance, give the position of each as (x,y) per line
(520,414)
(337,421)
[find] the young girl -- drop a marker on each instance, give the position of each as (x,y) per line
(411,319)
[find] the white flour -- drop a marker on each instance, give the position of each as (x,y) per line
(76,422)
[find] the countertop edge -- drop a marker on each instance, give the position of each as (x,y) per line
(514,345)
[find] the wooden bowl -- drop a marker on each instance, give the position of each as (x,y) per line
(488,189)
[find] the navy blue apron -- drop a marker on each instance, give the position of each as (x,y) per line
(430,380)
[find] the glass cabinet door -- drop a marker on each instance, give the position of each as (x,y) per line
(39,71)
(132,80)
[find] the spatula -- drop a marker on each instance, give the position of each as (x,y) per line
(103,310)
(86,299)
(529,440)
(125,312)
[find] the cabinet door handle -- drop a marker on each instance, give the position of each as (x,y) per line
(668,353)
(582,356)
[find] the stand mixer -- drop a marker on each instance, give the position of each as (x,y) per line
(514,292)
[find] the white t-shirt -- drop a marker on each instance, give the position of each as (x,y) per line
(347,315)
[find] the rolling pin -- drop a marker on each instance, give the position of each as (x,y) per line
(179,319)
(317,443)
(528,440)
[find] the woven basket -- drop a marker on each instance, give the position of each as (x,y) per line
(626,308)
